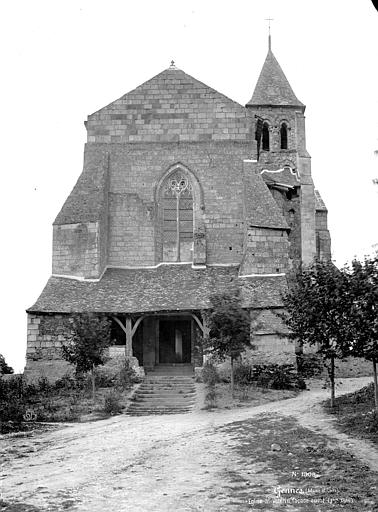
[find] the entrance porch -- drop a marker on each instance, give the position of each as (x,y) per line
(160,340)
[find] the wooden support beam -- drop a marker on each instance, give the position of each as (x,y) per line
(129,337)
(129,332)
(202,325)
(136,325)
(119,323)
(198,322)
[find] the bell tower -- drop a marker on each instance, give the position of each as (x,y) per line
(283,160)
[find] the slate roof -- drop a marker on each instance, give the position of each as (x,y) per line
(260,207)
(165,288)
(273,88)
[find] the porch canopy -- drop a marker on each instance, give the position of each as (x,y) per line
(165,288)
(129,296)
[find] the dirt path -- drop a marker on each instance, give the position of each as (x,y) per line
(168,463)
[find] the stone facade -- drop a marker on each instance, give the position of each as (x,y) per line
(130,243)
(45,336)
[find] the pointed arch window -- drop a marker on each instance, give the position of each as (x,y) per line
(177,217)
(283,133)
(265,137)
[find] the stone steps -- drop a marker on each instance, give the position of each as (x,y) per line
(163,395)
(166,389)
(155,412)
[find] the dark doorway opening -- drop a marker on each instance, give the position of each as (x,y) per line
(175,341)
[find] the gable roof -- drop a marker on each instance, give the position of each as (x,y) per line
(172,106)
(165,288)
(273,88)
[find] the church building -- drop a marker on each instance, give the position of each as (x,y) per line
(184,193)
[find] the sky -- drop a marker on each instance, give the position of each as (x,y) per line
(61,61)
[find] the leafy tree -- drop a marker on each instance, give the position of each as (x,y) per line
(229,328)
(317,309)
(90,337)
(4,368)
(364,287)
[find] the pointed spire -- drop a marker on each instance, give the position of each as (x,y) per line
(273,88)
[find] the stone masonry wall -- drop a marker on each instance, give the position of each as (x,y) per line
(267,251)
(269,341)
(289,200)
(45,335)
(297,157)
(275,117)
(80,229)
(170,107)
(308,236)
(270,348)
(323,238)
(76,249)
(289,203)
(135,171)
(131,231)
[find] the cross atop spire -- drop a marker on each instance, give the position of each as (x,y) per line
(269,38)
(273,88)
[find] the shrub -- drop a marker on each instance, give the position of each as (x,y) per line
(127,375)
(210,397)
(43,386)
(273,376)
(13,410)
(11,388)
(105,377)
(69,383)
(209,374)
(64,414)
(277,376)
(4,368)
(243,373)
(310,365)
(112,404)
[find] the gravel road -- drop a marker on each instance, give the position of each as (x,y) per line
(154,463)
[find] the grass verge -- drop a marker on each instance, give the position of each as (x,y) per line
(247,396)
(287,467)
(355,414)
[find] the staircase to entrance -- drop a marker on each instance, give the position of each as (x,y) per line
(167,389)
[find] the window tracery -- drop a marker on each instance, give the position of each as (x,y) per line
(177,221)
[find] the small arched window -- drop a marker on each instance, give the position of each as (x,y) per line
(265,137)
(283,133)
